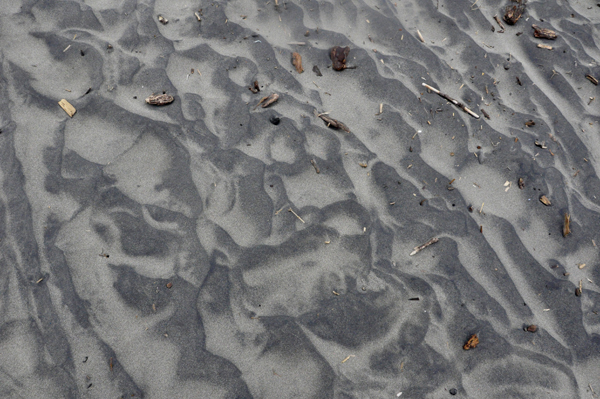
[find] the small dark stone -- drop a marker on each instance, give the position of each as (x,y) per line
(453,391)
(274,120)
(507,66)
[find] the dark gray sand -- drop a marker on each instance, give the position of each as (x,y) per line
(199,250)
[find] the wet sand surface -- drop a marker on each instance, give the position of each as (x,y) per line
(209,248)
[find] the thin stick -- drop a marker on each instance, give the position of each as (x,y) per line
(499,24)
(453,101)
(314,164)
(422,247)
(295,214)
(420,36)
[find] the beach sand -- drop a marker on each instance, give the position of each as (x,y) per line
(213,248)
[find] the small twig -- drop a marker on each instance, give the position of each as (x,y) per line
(422,247)
(453,101)
(295,214)
(314,164)
(420,36)
(499,24)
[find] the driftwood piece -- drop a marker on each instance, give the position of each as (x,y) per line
(333,123)
(542,33)
(67,107)
(160,99)
(453,101)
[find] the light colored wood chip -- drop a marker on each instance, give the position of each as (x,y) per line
(544,200)
(67,107)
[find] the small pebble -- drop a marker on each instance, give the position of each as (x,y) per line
(274,120)
(532,328)
(453,391)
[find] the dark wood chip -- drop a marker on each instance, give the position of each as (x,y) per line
(338,56)
(532,328)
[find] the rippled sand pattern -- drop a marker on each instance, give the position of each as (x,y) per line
(209,248)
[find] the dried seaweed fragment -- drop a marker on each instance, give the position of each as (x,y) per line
(334,123)
(472,342)
(513,13)
(297,62)
(159,99)
(268,100)
(338,57)
(542,33)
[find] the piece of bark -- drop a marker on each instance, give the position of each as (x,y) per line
(67,107)
(160,99)
(330,122)
(542,33)
(513,13)
(297,62)
(471,343)
(338,57)
(254,89)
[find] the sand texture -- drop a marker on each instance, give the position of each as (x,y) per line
(165,234)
